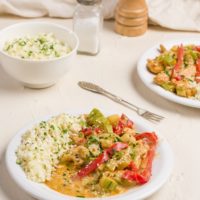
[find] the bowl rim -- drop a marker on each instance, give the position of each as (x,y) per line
(43,60)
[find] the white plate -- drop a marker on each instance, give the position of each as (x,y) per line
(162,168)
(147,77)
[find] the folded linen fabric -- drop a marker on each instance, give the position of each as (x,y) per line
(173,14)
(51,8)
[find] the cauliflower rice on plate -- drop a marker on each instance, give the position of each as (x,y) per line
(43,145)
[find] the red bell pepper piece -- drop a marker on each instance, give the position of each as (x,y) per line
(197,75)
(124,121)
(134,176)
(97,130)
(118,146)
(92,166)
(151,137)
(141,177)
(197,48)
(118,129)
(180,57)
(87,131)
(132,166)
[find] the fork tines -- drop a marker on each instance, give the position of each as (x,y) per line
(152,116)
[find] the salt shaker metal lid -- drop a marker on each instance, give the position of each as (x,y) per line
(88,2)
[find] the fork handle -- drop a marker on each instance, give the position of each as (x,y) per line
(119,100)
(97,89)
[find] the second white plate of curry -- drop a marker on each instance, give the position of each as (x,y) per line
(147,77)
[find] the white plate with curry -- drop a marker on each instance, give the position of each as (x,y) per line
(171,77)
(113,177)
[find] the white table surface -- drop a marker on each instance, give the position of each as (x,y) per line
(114,68)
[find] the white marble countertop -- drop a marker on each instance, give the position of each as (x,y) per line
(114,68)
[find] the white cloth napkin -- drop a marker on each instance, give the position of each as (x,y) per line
(173,14)
(51,8)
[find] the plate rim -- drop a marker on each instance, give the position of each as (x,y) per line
(142,71)
(169,162)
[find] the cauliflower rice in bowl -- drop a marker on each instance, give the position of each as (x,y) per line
(37,54)
(38,47)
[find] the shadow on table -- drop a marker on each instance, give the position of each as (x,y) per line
(8,186)
(109,25)
(158,101)
(7,83)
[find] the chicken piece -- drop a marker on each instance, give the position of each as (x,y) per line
(77,155)
(140,152)
(82,151)
(154,67)
(188,59)
(161,78)
(129,130)
(77,139)
(184,89)
(188,72)
(162,49)
(128,135)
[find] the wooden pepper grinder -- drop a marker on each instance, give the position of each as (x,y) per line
(131,17)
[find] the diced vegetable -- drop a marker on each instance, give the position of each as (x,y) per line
(111,165)
(93,139)
(167,59)
(185,91)
(113,119)
(128,138)
(106,143)
(169,86)
(118,155)
(124,122)
(96,118)
(108,183)
(123,163)
(94,149)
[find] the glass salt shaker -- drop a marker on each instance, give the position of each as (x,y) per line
(87,24)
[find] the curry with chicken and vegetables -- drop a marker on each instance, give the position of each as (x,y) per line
(177,70)
(107,157)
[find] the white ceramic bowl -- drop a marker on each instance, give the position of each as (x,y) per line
(37,73)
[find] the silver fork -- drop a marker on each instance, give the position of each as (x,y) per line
(140,111)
